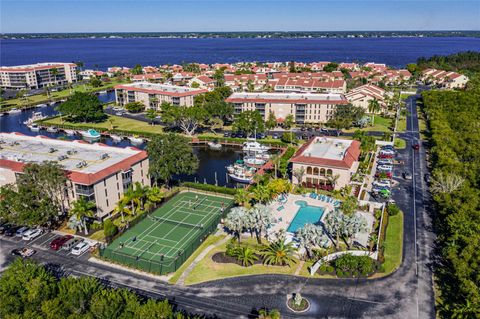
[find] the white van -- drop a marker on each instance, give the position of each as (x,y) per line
(80,248)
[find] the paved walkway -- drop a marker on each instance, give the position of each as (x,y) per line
(299,267)
(181,280)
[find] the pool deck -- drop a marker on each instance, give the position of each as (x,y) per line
(285,216)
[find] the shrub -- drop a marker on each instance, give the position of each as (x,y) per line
(288,137)
(330,269)
(340,273)
(231,249)
(109,228)
(358,264)
(211,188)
(323,268)
(392,209)
(134,107)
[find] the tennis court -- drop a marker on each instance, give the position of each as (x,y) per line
(164,239)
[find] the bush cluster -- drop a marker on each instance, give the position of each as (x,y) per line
(355,265)
(211,188)
(392,209)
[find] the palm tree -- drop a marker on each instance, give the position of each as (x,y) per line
(243,197)
(272,314)
(151,114)
(275,161)
(54,72)
(310,236)
(246,256)
(373,241)
(236,221)
(333,180)
(122,209)
(261,193)
(131,197)
(298,173)
(373,107)
(141,193)
(154,196)
(82,209)
(279,253)
(349,206)
(262,218)
(351,226)
(334,225)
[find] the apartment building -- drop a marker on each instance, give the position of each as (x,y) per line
(245,82)
(152,95)
(305,108)
(447,79)
(98,172)
(327,162)
(35,76)
(290,84)
(362,95)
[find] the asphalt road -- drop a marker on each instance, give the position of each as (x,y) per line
(407,293)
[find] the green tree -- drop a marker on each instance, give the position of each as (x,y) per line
(236,220)
(279,253)
(243,197)
(82,107)
(271,122)
(345,116)
(246,256)
(54,72)
(133,198)
(82,209)
(107,304)
(109,228)
(170,154)
(289,122)
(249,122)
(310,236)
(136,70)
(262,219)
(95,82)
(330,67)
(219,77)
(135,107)
(373,107)
(186,118)
(151,114)
(122,209)
(349,205)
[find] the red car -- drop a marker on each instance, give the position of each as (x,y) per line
(57,243)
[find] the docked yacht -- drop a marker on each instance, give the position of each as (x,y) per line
(116,138)
(254,147)
(254,161)
(14,110)
(52,129)
(214,145)
(33,127)
(36,116)
(136,139)
(90,134)
(70,132)
(243,175)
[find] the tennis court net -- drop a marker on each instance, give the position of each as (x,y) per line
(176,222)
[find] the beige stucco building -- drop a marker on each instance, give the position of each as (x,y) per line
(152,95)
(35,76)
(326,161)
(98,172)
(305,107)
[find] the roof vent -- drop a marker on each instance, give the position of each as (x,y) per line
(71,152)
(52,150)
(104,156)
(62,157)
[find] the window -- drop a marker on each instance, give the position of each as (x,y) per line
(315,171)
(322,172)
(309,170)
(329,172)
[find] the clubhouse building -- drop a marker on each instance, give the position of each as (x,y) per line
(98,172)
(152,95)
(305,107)
(36,76)
(327,162)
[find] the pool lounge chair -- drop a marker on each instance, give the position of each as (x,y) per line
(280,208)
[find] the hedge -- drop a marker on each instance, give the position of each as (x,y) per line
(240,140)
(211,188)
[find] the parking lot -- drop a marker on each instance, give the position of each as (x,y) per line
(43,241)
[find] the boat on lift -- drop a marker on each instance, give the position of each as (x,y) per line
(52,129)
(254,161)
(254,147)
(36,116)
(33,127)
(243,175)
(70,132)
(116,138)
(136,140)
(90,134)
(214,145)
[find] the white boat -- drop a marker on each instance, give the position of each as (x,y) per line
(102,92)
(34,127)
(41,105)
(90,134)
(52,103)
(14,110)
(239,164)
(36,116)
(244,175)
(254,147)
(116,138)
(214,145)
(254,161)
(136,140)
(70,132)
(52,129)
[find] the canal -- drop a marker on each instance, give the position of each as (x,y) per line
(212,163)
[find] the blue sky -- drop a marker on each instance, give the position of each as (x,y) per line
(230,15)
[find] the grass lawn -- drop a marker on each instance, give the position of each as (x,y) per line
(209,241)
(381,124)
(207,269)
(393,243)
(422,126)
(41,98)
(400,143)
(113,122)
(402,124)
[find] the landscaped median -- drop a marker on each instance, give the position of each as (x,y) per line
(393,243)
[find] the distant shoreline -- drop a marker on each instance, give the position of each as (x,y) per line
(246,35)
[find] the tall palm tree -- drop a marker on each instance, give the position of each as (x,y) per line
(334,225)
(333,180)
(246,256)
(262,219)
(373,107)
(131,197)
(278,253)
(154,196)
(54,72)
(309,237)
(261,193)
(243,197)
(236,221)
(141,193)
(82,209)
(275,161)
(298,174)
(122,209)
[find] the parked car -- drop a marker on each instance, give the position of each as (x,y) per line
(385,168)
(426,178)
(58,242)
(21,231)
(387,147)
(32,233)
(275,136)
(390,152)
(71,243)
(382,183)
(12,231)
(407,175)
(5,227)
(80,248)
(226,134)
(377,190)
(416,145)
(385,161)
(24,252)
(118,113)
(383,155)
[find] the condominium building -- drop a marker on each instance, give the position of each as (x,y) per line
(305,108)
(98,172)
(326,162)
(152,95)
(447,79)
(362,95)
(35,76)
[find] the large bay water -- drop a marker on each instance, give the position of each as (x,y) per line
(103,53)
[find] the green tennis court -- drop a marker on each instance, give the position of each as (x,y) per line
(164,239)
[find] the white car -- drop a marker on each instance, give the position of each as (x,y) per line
(385,168)
(387,152)
(21,231)
(382,183)
(80,248)
(385,161)
(32,234)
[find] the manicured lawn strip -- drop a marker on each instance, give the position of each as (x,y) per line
(209,241)
(402,124)
(381,124)
(42,98)
(207,269)
(400,143)
(113,123)
(393,243)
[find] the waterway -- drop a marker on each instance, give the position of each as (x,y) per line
(212,163)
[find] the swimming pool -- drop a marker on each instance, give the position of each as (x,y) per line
(306,214)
